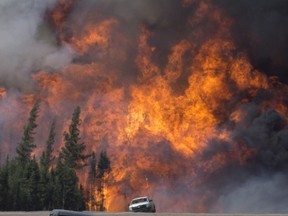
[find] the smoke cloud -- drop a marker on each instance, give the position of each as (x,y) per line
(26,45)
(258,186)
(260,30)
(258,195)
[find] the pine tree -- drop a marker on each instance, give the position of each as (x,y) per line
(82,204)
(92,182)
(58,178)
(23,168)
(47,156)
(104,169)
(4,187)
(46,160)
(66,186)
(73,149)
(71,158)
(14,180)
(27,145)
(103,164)
(33,200)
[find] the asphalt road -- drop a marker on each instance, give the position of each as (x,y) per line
(46,213)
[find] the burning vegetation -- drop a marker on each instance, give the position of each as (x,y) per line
(188,105)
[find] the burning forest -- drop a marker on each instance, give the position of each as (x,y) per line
(187,97)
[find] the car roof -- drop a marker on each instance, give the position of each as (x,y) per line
(141,197)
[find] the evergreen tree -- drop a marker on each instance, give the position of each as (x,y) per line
(47,156)
(71,158)
(82,204)
(92,182)
(28,185)
(14,179)
(104,169)
(73,149)
(4,187)
(24,168)
(104,166)
(33,199)
(67,192)
(58,178)
(46,160)
(26,146)
(93,164)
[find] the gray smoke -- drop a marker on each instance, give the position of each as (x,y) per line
(258,195)
(258,185)
(26,45)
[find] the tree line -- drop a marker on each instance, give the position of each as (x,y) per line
(47,182)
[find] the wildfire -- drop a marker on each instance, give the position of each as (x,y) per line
(95,35)
(159,116)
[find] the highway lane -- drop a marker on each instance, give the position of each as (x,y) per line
(46,213)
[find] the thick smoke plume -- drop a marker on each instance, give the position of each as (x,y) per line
(26,44)
(260,30)
(181,94)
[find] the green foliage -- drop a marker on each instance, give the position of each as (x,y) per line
(46,159)
(98,177)
(27,145)
(66,186)
(47,156)
(71,158)
(33,192)
(57,177)
(73,149)
(92,182)
(81,206)
(104,168)
(29,184)
(24,174)
(4,187)
(14,179)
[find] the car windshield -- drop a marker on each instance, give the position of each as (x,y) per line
(139,200)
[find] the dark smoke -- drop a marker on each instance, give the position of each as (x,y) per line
(260,29)
(258,186)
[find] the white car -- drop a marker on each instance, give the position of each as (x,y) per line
(142,204)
